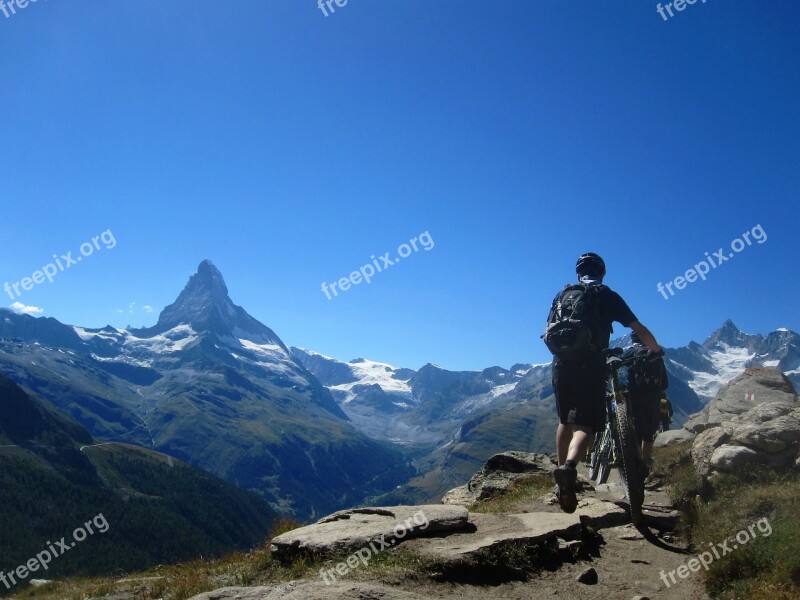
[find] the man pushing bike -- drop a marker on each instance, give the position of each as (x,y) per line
(646,383)
(579,328)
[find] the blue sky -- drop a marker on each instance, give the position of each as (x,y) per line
(289,147)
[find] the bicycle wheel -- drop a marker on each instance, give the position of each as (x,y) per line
(594,463)
(595,467)
(605,469)
(631,470)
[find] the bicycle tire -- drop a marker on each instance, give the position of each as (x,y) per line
(605,470)
(604,455)
(631,470)
(594,462)
(595,468)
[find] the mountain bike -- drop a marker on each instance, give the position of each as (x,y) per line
(617,445)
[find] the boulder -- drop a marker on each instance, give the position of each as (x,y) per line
(757,385)
(315,589)
(674,436)
(768,434)
(704,446)
(773,427)
(499,473)
(731,458)
(350,530)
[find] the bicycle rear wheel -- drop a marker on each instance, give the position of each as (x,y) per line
(631,470)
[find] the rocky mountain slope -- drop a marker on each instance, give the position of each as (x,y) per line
(463,418)
(211,385)
(54,476)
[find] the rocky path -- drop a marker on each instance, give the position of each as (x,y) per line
(475,553)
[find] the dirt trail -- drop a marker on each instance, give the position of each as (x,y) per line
(628,566)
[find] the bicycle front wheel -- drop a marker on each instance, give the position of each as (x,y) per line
(631,470)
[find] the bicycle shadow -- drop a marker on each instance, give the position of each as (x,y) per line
(663,523)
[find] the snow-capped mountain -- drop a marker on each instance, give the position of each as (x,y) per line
(404,405)
(213,386)
(465,417)
(728,351)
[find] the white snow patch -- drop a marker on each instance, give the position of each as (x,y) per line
(503,389)
(369,372)
(174,340)
(728,363)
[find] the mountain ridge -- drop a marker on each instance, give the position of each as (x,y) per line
(212,386)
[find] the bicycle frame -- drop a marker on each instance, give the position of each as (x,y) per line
(617,446)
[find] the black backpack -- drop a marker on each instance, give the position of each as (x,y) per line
(649,375)
(574,323)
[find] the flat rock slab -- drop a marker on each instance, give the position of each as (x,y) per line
(491,531)
(311,590)
(349,530)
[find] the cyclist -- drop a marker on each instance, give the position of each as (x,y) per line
(666,413)
(646,382)
(579,378)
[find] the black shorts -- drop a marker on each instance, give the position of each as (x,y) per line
(580,390)
(646,408)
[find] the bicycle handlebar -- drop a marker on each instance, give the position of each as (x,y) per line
(613,358)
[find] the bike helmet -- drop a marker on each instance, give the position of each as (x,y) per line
(590,264)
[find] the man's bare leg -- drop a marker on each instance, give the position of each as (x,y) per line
(563,440)
(579,443)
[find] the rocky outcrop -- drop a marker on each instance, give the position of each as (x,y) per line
(757,385)
(349,530)
(674,436)
(767,435)
(489,533)
(306,589)
(499,473)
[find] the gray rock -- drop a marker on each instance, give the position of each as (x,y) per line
(704,445)
(491,532)
(674,436)
(773,427)
(499,473)
(305,589)
(768,434)
(731,458)
(349,530)
(588,576)
(757,385)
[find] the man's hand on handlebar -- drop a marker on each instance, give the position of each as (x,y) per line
(651,355)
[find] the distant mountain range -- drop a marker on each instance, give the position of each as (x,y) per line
(54,477)
(464,417)
(213,386)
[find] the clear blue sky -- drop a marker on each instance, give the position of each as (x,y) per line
(288,147)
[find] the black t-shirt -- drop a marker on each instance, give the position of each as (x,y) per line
(613,308)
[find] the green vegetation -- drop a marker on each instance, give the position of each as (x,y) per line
(520,492)
(157,513)
(674,465)
(255,568)
(767,567)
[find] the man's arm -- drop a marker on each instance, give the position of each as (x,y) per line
(644,334)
